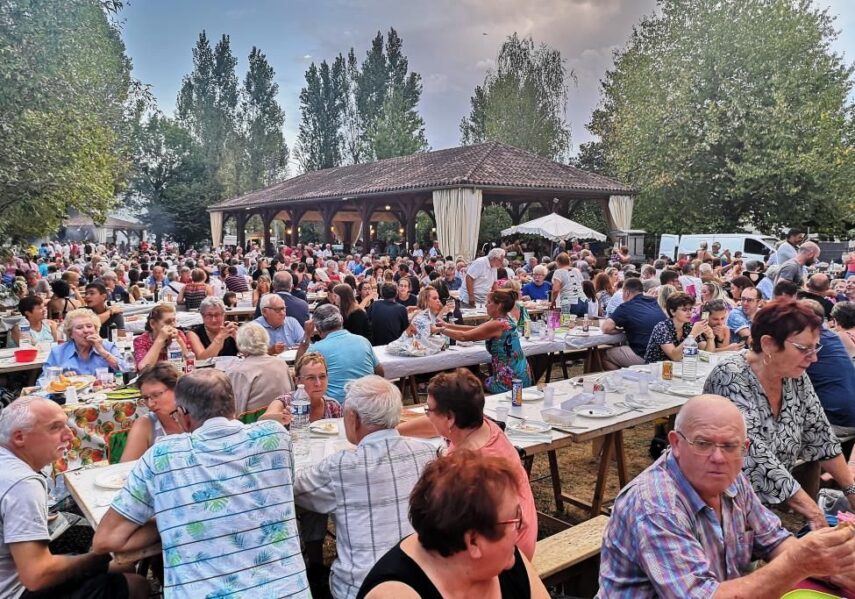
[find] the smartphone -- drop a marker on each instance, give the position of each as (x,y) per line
(705,316)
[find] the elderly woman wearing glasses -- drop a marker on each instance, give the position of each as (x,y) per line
(785,420)
(467,516)
(157,388)
(214,337)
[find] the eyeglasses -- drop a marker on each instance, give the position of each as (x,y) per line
(518,521)
(153,396)
(174,414)
(806,349)
(749,299)
(429,409)
(706,448)
(282,309)
(315,378)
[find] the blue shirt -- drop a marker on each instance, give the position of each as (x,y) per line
(537,292)
(290,333)
(637,317)
(614,302)
(348,357)
(833,378)
(766,286)
(662,540)
(736,321)
(224,506)
(66,357)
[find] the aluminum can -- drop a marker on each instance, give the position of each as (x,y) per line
(516,392)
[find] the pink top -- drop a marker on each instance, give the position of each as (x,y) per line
(498,446)
(143,343)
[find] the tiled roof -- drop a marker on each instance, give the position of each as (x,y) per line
(491,164)
(112,222)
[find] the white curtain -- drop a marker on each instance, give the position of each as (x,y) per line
(458,220)
(338,226)
(621,210)
(101,234)
(216,228)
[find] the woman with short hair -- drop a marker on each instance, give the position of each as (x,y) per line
(669,336)
(466,513)
(157,389)
(311,372)
(787,426)
(259,378)
(214,337)
(843,315)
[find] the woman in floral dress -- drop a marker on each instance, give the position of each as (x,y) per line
(502,340)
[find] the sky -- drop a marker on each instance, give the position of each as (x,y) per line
(451,43)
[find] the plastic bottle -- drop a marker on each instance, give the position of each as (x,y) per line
(26,334)
(131,371)
(690,359)
(189,362)
(114,333)
(175,355)
(300,422)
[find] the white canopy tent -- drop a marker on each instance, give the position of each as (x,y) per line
(554,227)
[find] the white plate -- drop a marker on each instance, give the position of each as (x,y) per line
(590,411)
(683,391)
(529,395)
(115,478)
(640,368)
(530,427)
(327,426)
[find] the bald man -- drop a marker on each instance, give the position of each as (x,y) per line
(690,524)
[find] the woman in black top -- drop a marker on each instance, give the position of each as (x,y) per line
(355,319)
(405,298)
(214,337)
(466,513)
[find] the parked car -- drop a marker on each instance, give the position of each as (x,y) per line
(753,247)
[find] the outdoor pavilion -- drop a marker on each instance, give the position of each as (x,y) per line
(83,227)
(451,186)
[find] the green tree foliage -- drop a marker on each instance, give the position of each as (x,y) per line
(354,146)
(322,103)
(493,220)
(386,98)
(731,113)
(522,102)
(172,175)
(66,83)
(207,107)
(263,120)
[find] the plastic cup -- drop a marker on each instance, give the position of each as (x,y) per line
(52,373)
(502,412)
(548,397)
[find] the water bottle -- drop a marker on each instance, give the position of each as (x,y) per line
(300,422)
(114,333)
(189,362)
(175,356)
(690,359)
(131,372)
(26,334)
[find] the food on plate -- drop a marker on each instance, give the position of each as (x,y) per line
(62,383)
(324,427)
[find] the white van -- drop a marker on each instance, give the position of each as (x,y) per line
(753,247)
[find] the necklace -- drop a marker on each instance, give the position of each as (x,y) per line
(469,434)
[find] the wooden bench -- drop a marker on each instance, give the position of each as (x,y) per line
(556,556)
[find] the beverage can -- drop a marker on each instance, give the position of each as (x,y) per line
(527,329)
(586,325)
(189,362)
(667,371)
(516,392)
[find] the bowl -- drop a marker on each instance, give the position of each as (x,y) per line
(26,355)
(557,416)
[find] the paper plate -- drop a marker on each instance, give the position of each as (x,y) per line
(530,427)
(114,479)
(80,381)
(529,395)
(326,426)
(591,411)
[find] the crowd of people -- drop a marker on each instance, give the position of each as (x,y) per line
(411,519)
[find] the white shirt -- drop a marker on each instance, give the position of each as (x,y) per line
(483,277)
(367,491)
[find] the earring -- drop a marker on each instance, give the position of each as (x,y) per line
(767,359)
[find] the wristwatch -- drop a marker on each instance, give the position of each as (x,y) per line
(850,490)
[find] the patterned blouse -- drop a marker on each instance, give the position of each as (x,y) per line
(663,333)
(508,360)
(800,432)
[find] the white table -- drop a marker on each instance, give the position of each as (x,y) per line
(9,365)
(583,429)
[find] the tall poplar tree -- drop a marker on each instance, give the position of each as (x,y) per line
(319,140)
(262,119)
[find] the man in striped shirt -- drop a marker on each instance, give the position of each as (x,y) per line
(690,525)
(367,490)
(222,499)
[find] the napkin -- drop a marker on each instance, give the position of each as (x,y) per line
(580,399)
(519,435)
(634,375)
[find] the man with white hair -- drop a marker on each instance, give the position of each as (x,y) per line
(283,330)
(366,489)
(480,277)
(690,525)
(33,434)
(348,356)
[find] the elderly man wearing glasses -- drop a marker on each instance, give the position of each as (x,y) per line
(690,524)
(283,330)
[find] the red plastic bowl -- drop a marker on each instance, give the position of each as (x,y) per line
(26,355)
